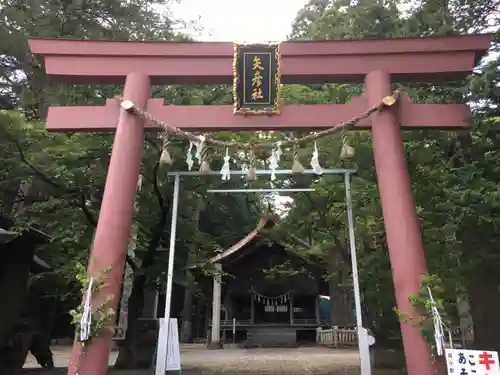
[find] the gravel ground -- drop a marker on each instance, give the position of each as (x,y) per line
(196,360)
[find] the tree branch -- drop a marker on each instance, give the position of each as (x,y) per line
(92,221)
(37,172)
(156,189)
(80,198)
(132,263)
(344,253)
(300,241)
(86,212)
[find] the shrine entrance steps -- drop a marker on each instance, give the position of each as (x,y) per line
(270,337)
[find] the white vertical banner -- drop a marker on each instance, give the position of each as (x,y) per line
(173,347)
(161,349)
(168,348)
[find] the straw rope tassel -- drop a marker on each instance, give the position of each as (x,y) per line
(251,172)
(347,151)
(205,164)
(297,166)
(165,157)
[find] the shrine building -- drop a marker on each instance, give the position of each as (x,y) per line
(265,293)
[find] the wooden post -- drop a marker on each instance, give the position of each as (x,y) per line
(335,334)
(234,330)
(316,309)
(112,234)
(291,308)
(206,324)
(406,251)
(216,305)
(252,308)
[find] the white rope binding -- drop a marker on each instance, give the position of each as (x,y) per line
(86,320)
(439,327)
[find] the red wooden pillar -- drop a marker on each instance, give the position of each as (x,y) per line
(113,229)
(402,225)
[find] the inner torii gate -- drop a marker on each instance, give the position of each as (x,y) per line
(376,62)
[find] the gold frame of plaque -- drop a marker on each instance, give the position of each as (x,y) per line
(257,79)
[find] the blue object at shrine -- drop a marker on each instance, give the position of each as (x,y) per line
(325,309)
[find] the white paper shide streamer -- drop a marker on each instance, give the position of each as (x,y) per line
(139,183)
(199,148)
(315,161)
(189,156)
(86,319)
(279,151)
(225,171)
(274,160)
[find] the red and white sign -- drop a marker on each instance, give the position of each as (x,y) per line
(472,362)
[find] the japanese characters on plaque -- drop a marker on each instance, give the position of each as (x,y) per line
(471,362)
(278,308)
(257,79)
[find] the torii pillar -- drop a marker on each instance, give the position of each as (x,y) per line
(112,235)
(406,250)
(376,62)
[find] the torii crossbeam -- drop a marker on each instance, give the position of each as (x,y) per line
(376,62)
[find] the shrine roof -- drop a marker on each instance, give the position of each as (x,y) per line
(251,243)
(267,220)
(435,58)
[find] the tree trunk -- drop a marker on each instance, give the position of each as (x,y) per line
(485,310)
(341,314)
(40,347)
(187,311)
(198,327)
(13,290)
(127,356)
(466,321)
(132,352)
(340,311)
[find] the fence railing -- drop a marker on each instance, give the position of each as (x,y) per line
(336,337)
(347,336)
(299,322)
(230,322)
(322,322)
(119,333)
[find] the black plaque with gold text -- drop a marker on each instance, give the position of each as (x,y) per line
(257,79)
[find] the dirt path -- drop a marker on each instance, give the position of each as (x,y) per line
(196,360)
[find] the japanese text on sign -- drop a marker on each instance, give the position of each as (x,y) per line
(471,362)
(257,78)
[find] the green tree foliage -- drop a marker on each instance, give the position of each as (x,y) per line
(66,172)
(453,174)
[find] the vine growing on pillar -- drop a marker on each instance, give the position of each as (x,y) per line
(427,304)
(90,321)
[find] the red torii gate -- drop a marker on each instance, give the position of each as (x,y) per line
(376,62)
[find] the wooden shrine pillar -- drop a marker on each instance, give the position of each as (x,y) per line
(215,342)
(252,308)
(112,234)
(402,226)
(316,309)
